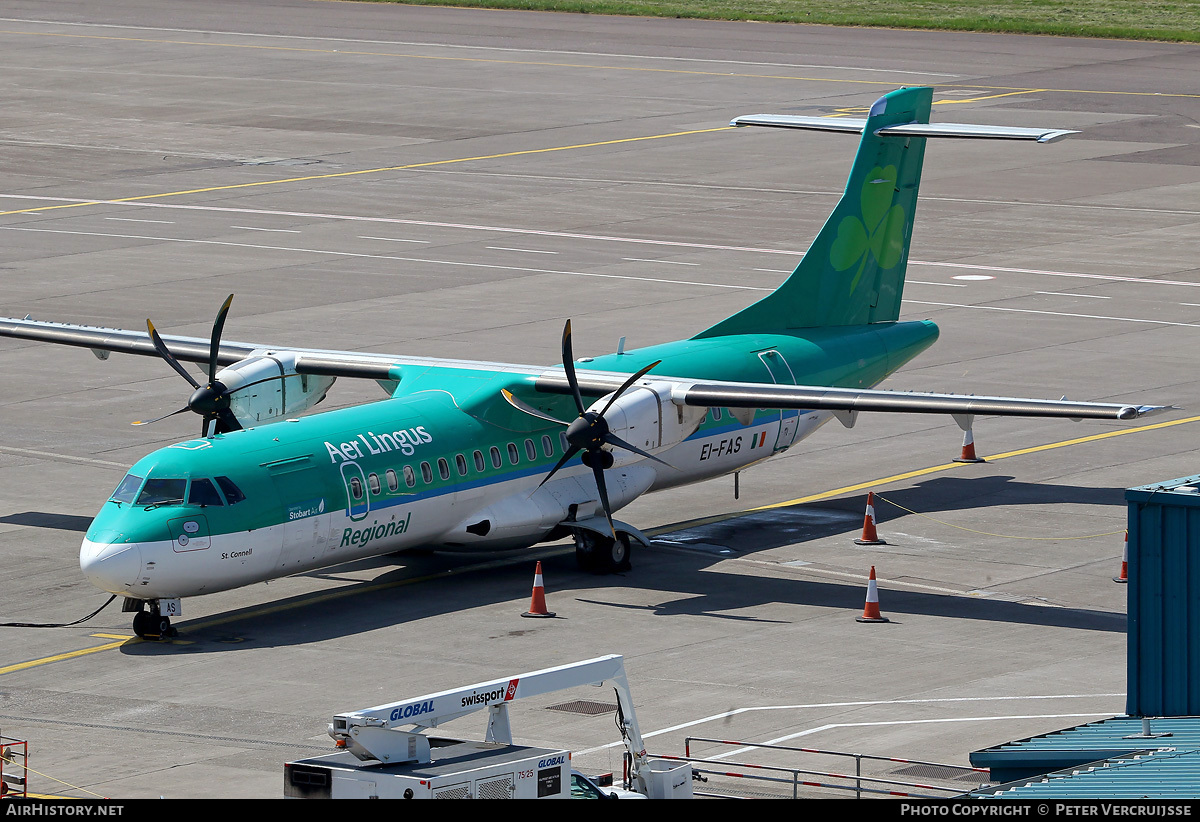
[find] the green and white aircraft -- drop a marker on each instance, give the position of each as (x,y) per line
(480,455)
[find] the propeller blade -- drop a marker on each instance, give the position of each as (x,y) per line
(163,417)
(624,387)
(569,367)
(520,405)
(214,346)
(163,352)
(613,439)
(598,472)
(572,451)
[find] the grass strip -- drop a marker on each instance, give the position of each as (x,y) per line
(1177,21)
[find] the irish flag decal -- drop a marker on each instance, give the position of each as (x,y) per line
(757,442)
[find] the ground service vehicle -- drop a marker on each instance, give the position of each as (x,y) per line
(386,754)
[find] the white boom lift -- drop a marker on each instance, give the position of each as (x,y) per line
(399,759)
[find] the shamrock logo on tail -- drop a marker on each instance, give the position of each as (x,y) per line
(880,231)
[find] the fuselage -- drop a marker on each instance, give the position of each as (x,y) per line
(443,463)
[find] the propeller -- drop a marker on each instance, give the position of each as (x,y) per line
(589,432)
(210,401)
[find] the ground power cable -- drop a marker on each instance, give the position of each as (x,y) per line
(25,767)
(57,624)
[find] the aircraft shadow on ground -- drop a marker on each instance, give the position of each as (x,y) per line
(777,527)
(44,519)
(681,583)
(734,597)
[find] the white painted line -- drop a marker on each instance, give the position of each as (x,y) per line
(973,277)
(1113,278)
(667,262)
(773,270)
(29,452)
(135,220)
(886,723)
(726,715)
(647,183)
(385,257)
(597,237)
(1069,294)
(522,250)
(923,282)
(1055,313)
(393,239)
(460,46)
(276,230)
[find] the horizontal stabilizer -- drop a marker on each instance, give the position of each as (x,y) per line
(855,126)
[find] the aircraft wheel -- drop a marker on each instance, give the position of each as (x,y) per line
(619,552)
(165,629)
(586,551)
(143,624)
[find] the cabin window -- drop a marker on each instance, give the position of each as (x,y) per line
(531,450)
(497,460)
(203,493)
(233,494)
(513,456)
(410,476)
(392,479)
(426,473)
(373,484)
(162,492)
(562,439)
(127,490)
(356,488)
(480,465)
(443,468)
(547,445)
(716,413)
(460,462)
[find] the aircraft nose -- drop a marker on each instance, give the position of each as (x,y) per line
(111,567)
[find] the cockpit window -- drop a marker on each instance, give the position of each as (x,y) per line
(233,494)
(127,489)
(203,492)
(162,491)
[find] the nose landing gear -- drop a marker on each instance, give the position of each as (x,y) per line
(151,624)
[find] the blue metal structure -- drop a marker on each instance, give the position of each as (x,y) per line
(1163,655)
(1153,751)
(1114,758)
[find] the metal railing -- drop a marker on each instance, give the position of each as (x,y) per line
(14,769)
(858,782)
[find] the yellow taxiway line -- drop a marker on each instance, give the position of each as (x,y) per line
(336,174)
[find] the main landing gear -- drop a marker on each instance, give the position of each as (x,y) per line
(603,555)
(149,624)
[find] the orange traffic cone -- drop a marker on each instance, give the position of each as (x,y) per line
(1124,562)
(871,609)
(537,605)
(869,535)
(968,449)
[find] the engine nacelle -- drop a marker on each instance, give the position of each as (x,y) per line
(645,416)
(265,387)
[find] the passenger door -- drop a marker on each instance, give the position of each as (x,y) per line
(781,374)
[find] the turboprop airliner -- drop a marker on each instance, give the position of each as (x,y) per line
(480,455)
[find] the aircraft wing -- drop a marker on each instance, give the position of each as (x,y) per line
(102,341)
(850,400)
(684,391)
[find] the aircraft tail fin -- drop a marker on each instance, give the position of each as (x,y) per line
(853,273)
